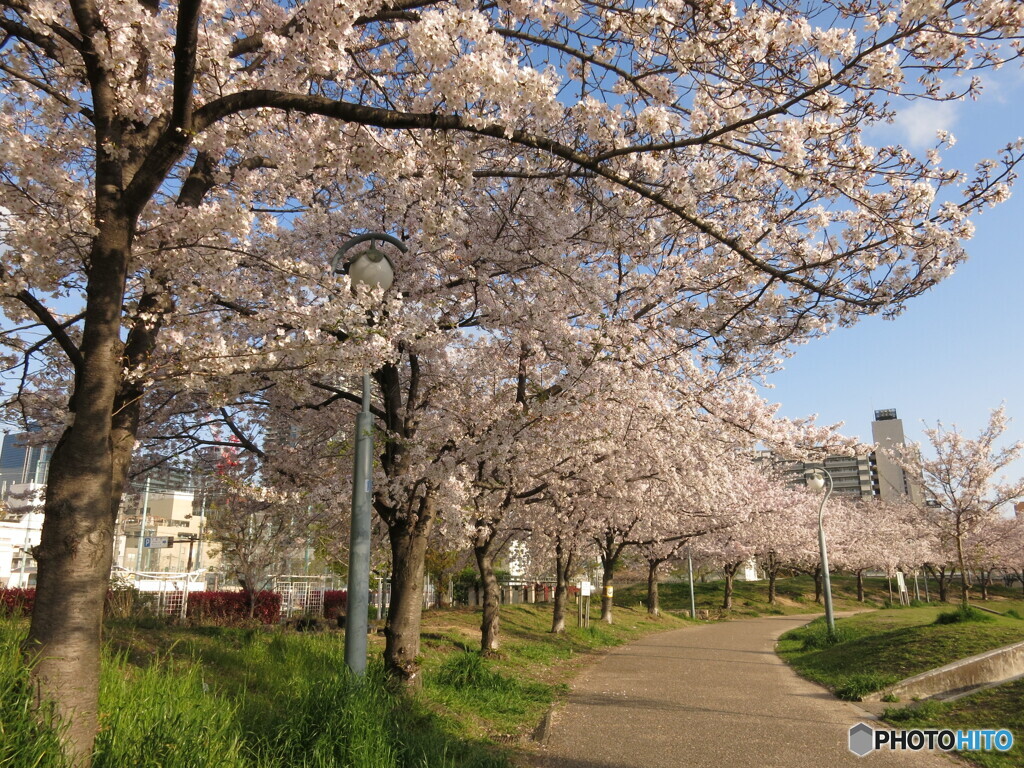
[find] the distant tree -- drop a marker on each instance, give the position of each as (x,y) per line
(962,485)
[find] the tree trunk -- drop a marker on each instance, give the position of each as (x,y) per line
(860,586)
(771,569)
(490,626)
(607,577)
(817,585)
(729,571)
(75,552)
(984,582)
(943,579)
(965,582)
(563,565)
(443,593)
(652,587)
(408,537)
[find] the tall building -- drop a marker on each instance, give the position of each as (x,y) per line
(873,476)
(22,462)
(891,482)
(851,475)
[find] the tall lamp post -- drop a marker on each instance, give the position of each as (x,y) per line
(816,481)
(371,268)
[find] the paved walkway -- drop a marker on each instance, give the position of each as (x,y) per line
(714,696)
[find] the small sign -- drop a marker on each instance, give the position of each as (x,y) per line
(156,542)
(608,591)
(585,589)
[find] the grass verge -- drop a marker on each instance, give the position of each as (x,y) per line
(794,595)
(993,709)
(894,644)
(198,697)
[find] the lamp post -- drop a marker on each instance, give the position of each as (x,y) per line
(371,268)
(816,481)
(689,568)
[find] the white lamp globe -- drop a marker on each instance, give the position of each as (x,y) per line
(815,480)
(371,268)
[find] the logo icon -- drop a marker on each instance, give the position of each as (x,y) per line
(862,739)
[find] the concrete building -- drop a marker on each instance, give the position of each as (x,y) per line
(21,523)
(167,515)
(865,477)
(890,481)
(21,462)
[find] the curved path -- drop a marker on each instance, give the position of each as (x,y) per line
(714,696)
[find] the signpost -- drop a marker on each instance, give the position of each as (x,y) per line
(583,613)
(157,542)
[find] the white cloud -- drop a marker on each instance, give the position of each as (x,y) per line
(920,120)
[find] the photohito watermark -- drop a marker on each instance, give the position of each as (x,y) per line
(864,740)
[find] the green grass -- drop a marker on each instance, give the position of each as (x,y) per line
(996,708)
(209,697)
(893,644)
(23,741)
(795,595)
(965,613)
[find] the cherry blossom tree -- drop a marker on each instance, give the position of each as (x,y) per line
(963,485)
(150,173)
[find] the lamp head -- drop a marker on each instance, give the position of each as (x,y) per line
(371,268)
(815,480)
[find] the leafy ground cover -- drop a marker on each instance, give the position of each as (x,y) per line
(198,697)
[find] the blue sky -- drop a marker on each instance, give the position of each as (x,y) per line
(955,353)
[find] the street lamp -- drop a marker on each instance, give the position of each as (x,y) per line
(816,481)
(371,268)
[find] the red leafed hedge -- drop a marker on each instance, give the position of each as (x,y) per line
(335,601)
(16,602)
(218,607)
(232,606)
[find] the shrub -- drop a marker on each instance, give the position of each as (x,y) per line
(17,602)
(335,602)
(964,613)
(232,607)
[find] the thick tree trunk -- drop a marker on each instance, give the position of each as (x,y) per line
(860,586)
(730,574)
(817,585)
(773,576)
(942,578)
(563,565)
(652,587)
(76,548)
(607,599)
(408,537)
(491,623)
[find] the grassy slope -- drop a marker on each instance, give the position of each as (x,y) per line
(996,708)
(897,643)
(893,644)
(210,697)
